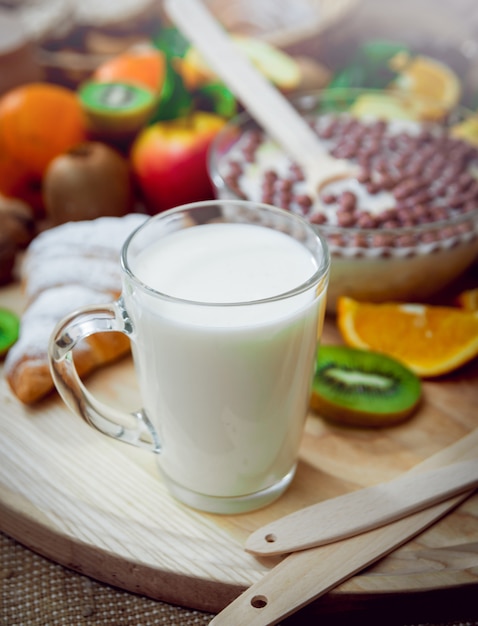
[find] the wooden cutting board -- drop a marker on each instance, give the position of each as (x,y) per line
(99,507)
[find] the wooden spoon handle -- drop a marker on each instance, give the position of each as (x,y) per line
(362,510)
(264,103)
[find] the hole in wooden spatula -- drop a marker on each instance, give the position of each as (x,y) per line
(259,602)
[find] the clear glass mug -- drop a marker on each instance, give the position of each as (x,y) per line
(224,302)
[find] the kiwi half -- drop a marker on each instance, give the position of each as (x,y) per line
(116,108)
(9,328)
(363,388)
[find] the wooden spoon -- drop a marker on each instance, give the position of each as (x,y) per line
(363,510)
(263,101)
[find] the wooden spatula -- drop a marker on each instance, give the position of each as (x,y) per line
(305,575)
(363,510)
(267,106)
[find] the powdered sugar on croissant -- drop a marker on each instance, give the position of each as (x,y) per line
(65,268)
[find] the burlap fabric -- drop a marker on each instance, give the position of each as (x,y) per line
(36,592)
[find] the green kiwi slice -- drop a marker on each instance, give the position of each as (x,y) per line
(362,387)
(9,328)
(116,107)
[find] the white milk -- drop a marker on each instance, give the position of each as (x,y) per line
(227,387)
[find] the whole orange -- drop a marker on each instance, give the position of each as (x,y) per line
(39,121)
(143,66)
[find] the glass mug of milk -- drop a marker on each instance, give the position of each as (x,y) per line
(224,302)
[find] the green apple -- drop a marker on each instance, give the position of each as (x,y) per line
(169,160)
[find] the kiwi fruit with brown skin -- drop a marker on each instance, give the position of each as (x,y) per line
(17,221)
(17,229)
(363,388)
(91,180)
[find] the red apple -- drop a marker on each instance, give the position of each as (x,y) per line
(169,160)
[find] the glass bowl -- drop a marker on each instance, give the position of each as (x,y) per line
(407,226)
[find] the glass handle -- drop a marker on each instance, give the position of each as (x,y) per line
(133,428)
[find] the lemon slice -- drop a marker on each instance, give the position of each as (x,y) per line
(276,65)
(467,130)
(384,106)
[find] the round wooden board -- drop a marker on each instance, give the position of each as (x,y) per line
(99,507)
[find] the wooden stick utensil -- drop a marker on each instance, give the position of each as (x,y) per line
(264,102)
(362,510)
(308,574)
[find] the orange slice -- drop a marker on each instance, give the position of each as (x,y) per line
(468,299)
(430,340)
(428,79)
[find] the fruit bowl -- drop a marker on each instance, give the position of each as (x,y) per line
(407,225)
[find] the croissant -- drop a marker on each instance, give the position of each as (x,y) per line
(65,268)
